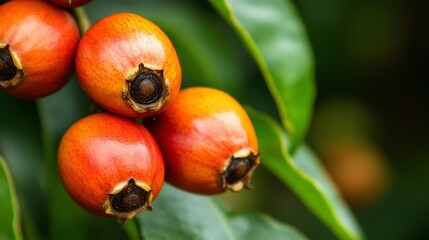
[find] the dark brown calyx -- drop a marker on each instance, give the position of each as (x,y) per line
(10,73)
(146,89)
(239,171)
(127,201)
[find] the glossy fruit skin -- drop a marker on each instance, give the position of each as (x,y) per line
(103,150)
(70,3)
(112,49)
(44,38)
(198,134)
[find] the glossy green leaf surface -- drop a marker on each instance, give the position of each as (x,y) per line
(189,216)
(10,227)
(305,176)
(275,36)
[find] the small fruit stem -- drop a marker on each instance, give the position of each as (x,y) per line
(82,19)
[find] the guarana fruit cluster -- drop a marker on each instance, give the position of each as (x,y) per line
(198,139)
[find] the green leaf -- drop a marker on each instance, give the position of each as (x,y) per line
(305,176)
(190,216)
(10,219)
(276,37)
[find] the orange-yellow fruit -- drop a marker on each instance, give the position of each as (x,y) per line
(37,48)
(110,165)
(207,140)
(128,66)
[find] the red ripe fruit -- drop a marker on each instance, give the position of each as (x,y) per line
(37,48)
(207,140)
(110,165)
(127,65)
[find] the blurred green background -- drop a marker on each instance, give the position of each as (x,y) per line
(372,59)
(372,63)
(372,76)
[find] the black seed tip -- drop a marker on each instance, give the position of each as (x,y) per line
(146,88)
(237,170)
(8,69)
(130,198)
